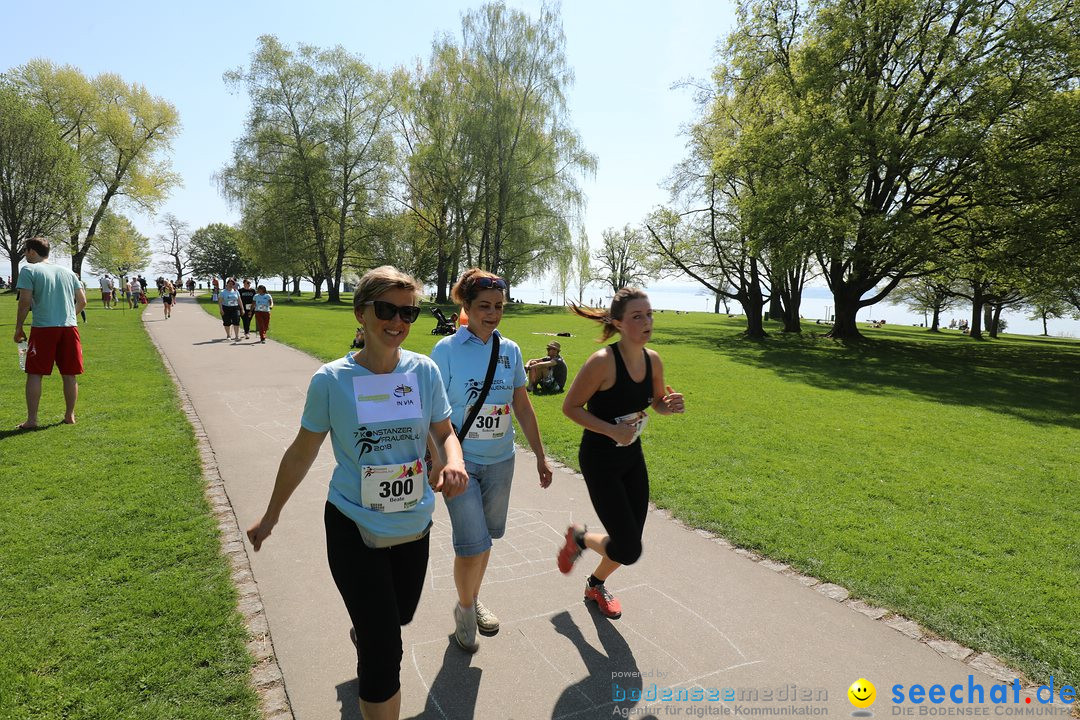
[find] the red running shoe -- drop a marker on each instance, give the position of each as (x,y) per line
(607,603)
(569,552)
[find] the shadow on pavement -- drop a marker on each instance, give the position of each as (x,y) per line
(455,689)
(616,658)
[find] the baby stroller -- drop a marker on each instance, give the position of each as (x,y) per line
(443,326)
(358,341)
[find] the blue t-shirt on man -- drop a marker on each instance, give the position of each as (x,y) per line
(378,427)
(53,289)
(463,362)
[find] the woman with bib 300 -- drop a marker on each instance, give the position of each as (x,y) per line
(379,405)
(485,377)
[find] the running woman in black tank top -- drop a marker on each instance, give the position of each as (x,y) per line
(609,398)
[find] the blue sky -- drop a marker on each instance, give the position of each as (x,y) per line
(626,56)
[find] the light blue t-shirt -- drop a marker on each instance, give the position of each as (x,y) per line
(377,481)
(230,298)
(53,290)
(262,302)
(463,362)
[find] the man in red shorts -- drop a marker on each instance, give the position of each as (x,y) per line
(56,297)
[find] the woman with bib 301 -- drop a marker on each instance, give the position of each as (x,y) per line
(378,405)
(609,398)
(485,377)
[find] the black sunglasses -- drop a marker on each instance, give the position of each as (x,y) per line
(489,282)
(386,311)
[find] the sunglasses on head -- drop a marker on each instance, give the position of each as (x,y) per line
(490,282)
(386,311)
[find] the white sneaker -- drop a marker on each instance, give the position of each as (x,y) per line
(465,628)
(487,622)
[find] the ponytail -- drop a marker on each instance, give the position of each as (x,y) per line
(607,318)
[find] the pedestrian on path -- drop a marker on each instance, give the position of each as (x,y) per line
(263,304)
(247,299)
(56,297)
(168,295)
(481,414)
(379,405)
(607,400)
(230,307)
(134,291)
(106,291)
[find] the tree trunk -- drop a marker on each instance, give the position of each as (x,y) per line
(934,324)
(752,307)
(792,321)
(296,285)
(988,317)
(716,304)
(776,307)
(975,331)
(995,320)
(317,282)
(844,316)
(14,271)
(442,273)
(284,283)
(1045,333)
(753,303)
(77,261)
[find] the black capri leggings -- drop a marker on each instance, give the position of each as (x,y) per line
(618,483)
(381,589)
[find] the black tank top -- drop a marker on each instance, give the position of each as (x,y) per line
(622,398)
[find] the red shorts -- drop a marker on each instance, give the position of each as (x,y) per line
(54,344)
(106,295)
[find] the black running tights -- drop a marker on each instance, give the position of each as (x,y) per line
(381,589)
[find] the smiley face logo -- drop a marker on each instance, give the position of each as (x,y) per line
(862,693)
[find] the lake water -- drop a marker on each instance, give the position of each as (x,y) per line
(816,303)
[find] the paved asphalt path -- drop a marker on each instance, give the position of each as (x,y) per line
(698,614)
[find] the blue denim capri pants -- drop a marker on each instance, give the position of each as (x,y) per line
(478,515)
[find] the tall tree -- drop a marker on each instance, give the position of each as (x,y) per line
(215,251)
(39,174)
(889,103)
(703,235)
(274,240)
(494,160)
(439,185)
(623,259)
(927,295)
(119,247)
(318,131)
(122,135)
(173,243)
(582,264)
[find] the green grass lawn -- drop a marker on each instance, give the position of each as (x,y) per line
(114,599)
(933,475)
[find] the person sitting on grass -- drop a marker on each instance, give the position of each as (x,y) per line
(358,341)
(547,374)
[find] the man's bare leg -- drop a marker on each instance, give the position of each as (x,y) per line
(71,394)
(33,400)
